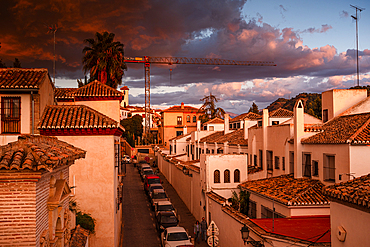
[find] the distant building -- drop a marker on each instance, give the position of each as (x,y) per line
(174,119)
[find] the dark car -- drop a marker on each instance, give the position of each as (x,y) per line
(151,179)
(145,172)
(153,187)
(157,196)
(164,220)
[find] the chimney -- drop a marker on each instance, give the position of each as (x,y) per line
(298,133)
(182,105)
(198,125)
(246,127)
(226,123)
(185,130)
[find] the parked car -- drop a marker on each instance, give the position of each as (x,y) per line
(158,195)
(165,219)
(126,159)
(140,166)
(152,187)
(175,236)
(162,206)
(147,171)
(151,179)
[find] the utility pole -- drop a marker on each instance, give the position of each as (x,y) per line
(356,18)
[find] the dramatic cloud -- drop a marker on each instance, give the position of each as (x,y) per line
(189,28)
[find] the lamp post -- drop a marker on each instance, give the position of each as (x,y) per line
(245,235)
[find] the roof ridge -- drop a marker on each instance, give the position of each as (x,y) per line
(305,190)
(351,138)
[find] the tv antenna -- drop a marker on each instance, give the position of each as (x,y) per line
(356,18)
(53,29)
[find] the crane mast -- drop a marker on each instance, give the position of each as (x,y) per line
(146,60)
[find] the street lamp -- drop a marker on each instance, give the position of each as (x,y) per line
(245,235)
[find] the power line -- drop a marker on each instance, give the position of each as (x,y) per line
(356,18)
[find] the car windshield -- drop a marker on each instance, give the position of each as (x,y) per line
(165,208)
(159,196)
(168,219)
(154,181)
(177,236)
(147,172)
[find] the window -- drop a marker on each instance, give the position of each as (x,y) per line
(230,126)
(252,209)
(226,176)
(179,133)
(216,177)
(255,160)
(269,160)
(267,213)
(179,120)
(188,119)
(275,122)
(259,123)
(325,115)
(261,160)
(329,167)
(236,176)
(207,151)
(291,162)
(205,127)
(211,128)
(315,168)
(283,163)
(10,114)
(170,149)
(306,164)
(194,119)
(277,162)
(238,125)
(213,151)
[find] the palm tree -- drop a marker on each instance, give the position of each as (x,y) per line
(209,108)
(104,59)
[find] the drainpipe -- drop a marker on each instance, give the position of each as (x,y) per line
(33,114)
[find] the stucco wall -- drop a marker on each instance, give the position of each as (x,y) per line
(110,108)
(95,181)
(354,221)
(358,165)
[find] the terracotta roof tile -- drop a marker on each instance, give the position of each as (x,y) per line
(96,89)
(179,137)
(214,121)
(78,237)
(64,93)
(37,153)
(288,190)
(343,129)
(74,116)
(21,78)
(233,138)
(281,113)
(249,116)
(124,88)
(177,108)
(356,191)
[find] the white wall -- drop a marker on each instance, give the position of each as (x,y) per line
(359,166)
(354,221)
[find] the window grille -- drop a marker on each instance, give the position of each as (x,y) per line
(216,177)
(236,176)
(10,114)
(329,167)
(226,176)
(269,160)
(277,162)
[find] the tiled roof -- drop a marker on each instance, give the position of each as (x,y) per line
(356,191)
(177,108)
(124,88)
(78,237)
(179,137)
(74,116)
(353,129)
(288,190)
(21,78)
(214,121)
(281,113)
(249,115)
(96,89)
(38,152)
(233,138)
(64,93)
(254,169)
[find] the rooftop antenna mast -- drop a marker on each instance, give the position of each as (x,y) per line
(53,29)
(356,18)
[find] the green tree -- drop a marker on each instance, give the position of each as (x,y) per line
(133,128)
(17,63)
(104,59)
(240,202)
(209,108)
(254,108)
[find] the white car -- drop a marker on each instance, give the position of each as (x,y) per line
(126,159)
(175,236)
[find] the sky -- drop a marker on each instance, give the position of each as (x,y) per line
(313,44)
